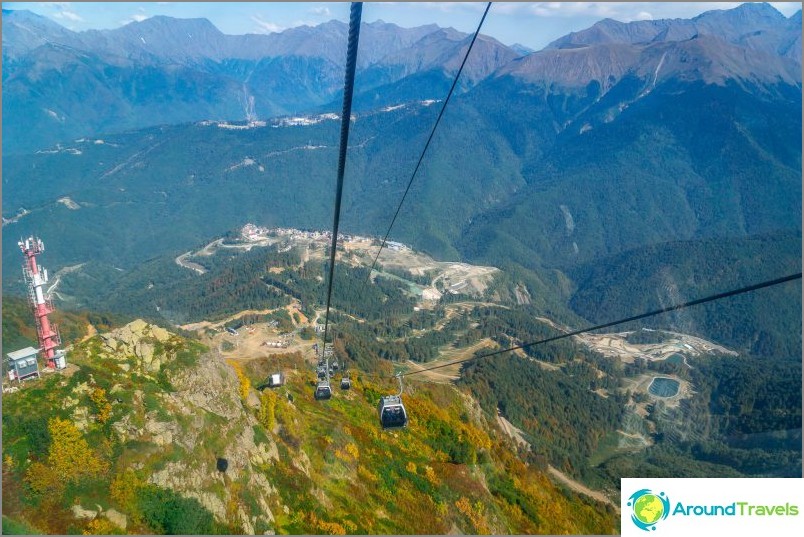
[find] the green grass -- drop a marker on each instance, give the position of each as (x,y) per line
(259,435)
(18,527)
(608,448)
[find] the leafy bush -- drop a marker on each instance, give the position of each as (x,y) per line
(167,512)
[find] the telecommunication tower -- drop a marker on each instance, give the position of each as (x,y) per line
(36,278)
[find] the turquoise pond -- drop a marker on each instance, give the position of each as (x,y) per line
(663,387)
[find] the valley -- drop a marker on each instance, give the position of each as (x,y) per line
(182,179)
(296,467)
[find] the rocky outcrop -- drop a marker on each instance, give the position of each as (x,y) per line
(163,433)
(204,394)
(212,386)
(80,417)
(138,339)
(117,518)
(80,512)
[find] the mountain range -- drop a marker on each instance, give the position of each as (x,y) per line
(623,168)
(61,84)
(166,70)
(608,142)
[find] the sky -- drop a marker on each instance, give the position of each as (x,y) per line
(533,24)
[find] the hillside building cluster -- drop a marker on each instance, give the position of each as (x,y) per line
(253,233)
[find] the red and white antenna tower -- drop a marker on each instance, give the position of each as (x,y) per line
(49,338)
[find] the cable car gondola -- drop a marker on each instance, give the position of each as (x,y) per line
(391,410)
(323,390)
(346,383)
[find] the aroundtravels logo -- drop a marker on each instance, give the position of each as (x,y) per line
(648,508)
(711,506)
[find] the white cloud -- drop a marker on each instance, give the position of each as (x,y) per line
(68,15)
(322,11)
(136,17)
(265,27)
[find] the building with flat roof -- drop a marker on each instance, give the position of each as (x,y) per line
(22,364)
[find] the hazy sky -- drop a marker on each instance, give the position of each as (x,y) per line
(531,23)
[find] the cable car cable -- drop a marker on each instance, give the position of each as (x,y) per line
(429,139)
(355,14)
(675,307)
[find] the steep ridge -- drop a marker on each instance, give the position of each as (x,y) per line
(757,26)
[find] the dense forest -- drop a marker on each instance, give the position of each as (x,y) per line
(765,323)
(568,400)
(563,419)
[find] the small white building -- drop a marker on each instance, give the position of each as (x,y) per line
(276,380)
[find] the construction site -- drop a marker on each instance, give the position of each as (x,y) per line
(673,345)
(427,280)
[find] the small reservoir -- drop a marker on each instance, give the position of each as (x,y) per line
(663,387)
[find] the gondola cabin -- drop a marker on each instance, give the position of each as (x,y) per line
(392,412)
(323,390)
(321,372)
(346,383)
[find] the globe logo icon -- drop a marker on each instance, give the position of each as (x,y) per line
(648,508)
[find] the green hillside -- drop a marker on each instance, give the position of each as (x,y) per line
(141,446)
(765,324)
(19,329)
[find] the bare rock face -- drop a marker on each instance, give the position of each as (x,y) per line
(162,433)
(80,512)
(197,476)
(248,528)
(212,386)
(138,339)
(190,482)
(81,418)
(145,352)
(117,518)
(125,430)
(253,401)
(207,392)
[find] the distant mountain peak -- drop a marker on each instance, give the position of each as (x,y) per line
(757,26)
(521,49)
(758,7)
(162,21)
(749,11)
